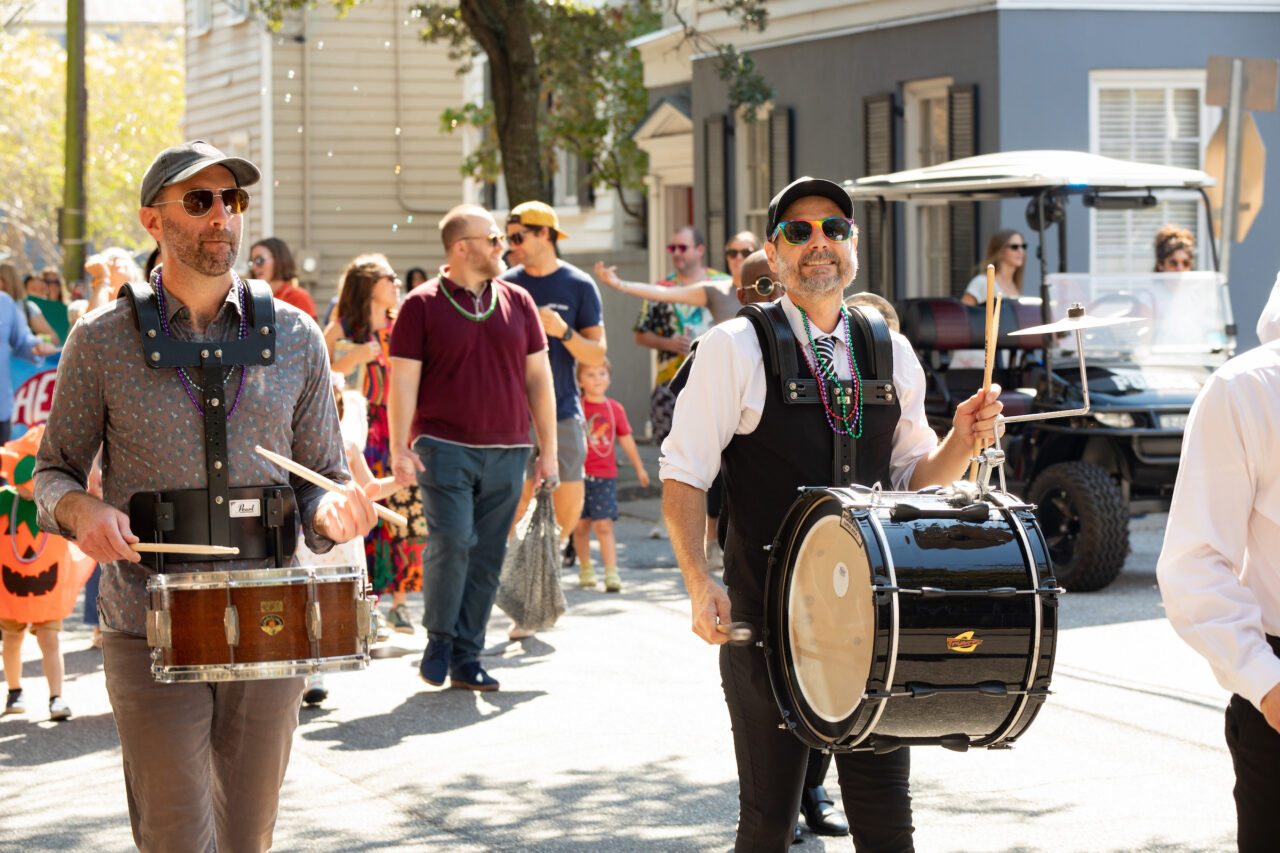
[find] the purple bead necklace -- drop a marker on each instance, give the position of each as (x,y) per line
(187,382)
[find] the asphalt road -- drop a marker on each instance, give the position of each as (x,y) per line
(610,734)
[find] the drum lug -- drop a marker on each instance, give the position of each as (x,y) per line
(159,629)
(231,624)
(313,620)
(364,620)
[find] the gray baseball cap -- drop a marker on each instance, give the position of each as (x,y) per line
(180,162)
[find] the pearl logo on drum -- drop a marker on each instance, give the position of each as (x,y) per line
(964,643)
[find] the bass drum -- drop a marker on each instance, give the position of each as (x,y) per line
(899,618)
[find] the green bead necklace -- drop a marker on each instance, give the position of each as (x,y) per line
(473,316)
(849,419)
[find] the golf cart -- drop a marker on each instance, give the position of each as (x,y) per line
(1086,474)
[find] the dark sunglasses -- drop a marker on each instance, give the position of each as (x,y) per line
(517,238)
(198,203)
(1017,247)
(679,247)
(763,285)
(798,231)
(736,253)
(495,240)
(258,261)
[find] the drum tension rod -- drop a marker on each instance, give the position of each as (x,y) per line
(936,592)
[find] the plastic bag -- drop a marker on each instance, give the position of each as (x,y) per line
(529,586)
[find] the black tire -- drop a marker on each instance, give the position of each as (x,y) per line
(1085,522)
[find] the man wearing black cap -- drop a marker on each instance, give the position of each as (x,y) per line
(731,417)
(203,761)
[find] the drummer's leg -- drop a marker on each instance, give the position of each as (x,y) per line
(252,732)
(164,741)
(771,762)
(876,790)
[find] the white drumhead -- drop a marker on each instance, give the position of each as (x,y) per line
(831,619)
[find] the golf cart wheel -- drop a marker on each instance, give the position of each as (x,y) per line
(1085,522)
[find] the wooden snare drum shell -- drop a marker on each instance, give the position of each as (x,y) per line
(196,624)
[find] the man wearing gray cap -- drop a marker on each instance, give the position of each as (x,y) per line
(203,761)
(731,417)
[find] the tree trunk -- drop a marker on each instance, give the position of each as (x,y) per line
(503,30)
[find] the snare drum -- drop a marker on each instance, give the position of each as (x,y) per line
(263,623)
(900,618)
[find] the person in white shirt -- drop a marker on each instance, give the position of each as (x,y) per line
(729,409)
(1219,570)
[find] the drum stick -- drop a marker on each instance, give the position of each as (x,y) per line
(740,633)
(325,483)
(178,548)
(990,352)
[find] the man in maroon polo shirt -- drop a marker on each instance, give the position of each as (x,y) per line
(468,368)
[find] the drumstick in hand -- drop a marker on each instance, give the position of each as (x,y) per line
(179,548)
(740,633)
(324,482)
(993,322)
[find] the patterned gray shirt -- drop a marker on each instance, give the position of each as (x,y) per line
(152,436)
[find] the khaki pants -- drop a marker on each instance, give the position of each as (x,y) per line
(203,762)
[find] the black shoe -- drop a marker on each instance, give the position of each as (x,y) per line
(570,553)
(471,676)
(435,660)
(820,813)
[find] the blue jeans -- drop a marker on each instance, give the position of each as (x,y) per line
(469,497)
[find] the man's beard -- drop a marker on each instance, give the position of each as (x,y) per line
(796,279)
(208,259)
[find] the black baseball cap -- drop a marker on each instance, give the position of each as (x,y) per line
(182,161)
(800,188)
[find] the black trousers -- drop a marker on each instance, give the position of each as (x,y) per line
(772,765)
(1255,752)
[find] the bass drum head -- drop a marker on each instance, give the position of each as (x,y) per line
(830,619)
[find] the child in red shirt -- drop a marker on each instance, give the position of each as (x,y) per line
(606,425)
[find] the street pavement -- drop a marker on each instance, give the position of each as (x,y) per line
(610,734)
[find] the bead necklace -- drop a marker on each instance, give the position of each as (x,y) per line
(187,382)
(474,316)
(846,422)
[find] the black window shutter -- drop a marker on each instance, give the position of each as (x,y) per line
(714,162)
(962,141)
(586,186)
(781,165)
(878,126)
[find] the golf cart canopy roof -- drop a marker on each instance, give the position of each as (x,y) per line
(1010,174)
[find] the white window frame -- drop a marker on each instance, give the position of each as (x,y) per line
(1155,78)
(201,18)
(741,170)
(237,11)
(913,93)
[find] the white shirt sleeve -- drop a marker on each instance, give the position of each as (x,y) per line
(1219,554)
(913,438)
(977,288)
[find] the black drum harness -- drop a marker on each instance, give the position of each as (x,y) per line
(259,520)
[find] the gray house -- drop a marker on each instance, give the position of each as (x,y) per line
(870,87)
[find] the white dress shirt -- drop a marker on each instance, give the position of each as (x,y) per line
(726,391)
(1219,570)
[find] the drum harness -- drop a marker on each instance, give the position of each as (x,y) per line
(260,520)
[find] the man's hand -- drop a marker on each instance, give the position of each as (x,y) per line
(608,275)
(546,471)
(44,348)
(1271,707)
(710,604)
(552,323)
(679,344)
(405,465)
(345,514)
(101,531)
(976,418)
(643,476)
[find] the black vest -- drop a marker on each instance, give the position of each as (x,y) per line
(794,444)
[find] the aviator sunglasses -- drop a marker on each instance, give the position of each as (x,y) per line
(798,231)
(198,203)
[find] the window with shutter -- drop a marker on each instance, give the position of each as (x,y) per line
(764,163)
(201,20)
(962,141)
(926,126)
(1151,117)
(876,239)
(714,176)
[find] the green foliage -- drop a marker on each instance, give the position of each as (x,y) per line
(747,86)
(134,78)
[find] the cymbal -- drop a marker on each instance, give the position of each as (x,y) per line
(1071,324)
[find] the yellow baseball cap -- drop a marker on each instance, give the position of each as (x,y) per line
(536,213)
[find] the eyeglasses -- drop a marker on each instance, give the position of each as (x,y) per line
(679,247)
(797,232)
(198,203)
(517,238)
(763,285)
(259,260)
(736,253)
(495,240)
(52,280)
(391,277)
(1017,247)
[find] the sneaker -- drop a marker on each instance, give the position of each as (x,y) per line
(570,553)
(316,691)
(59,709)
(383,629)
(471,676)
(658,532)
(612,583)
(586,578)
(715,555)
(15,704)
(435,660)
(399,619)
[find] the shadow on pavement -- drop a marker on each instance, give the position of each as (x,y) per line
(31,740)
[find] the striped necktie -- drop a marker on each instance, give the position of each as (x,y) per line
(824,349)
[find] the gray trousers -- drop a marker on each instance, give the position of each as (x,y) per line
(203,762)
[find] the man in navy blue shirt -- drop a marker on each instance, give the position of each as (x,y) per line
(569,304)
